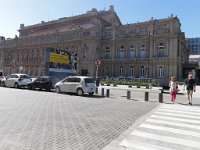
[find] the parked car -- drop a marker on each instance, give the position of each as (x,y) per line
(16,80)
(43,82)
(1,76)
(76,84)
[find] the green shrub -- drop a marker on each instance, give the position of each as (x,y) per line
(128,82)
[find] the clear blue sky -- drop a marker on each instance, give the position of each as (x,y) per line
(29,12)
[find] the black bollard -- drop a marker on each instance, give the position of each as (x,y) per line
(161,97)
(96,91)
(102,91)
(107,93)
(128,94)
(146,96)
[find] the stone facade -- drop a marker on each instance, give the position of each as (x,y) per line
(152,49)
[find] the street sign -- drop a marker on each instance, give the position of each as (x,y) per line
(97,62)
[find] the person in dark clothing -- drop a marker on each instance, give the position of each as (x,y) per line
(190,87)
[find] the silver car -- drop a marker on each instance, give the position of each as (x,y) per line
(16,80)
(76,84)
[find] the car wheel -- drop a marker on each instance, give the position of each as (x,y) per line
(29,87)
(58,90)
(3,84)
(91,93)
(16,85)
(79,92)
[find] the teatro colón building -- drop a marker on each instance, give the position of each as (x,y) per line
(155,48)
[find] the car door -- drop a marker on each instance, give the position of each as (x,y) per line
(45,83)
(74,84)
(13,79)
(37,83)
(68,84)
(63,85)
(7,80)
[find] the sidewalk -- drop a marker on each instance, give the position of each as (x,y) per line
(120,92)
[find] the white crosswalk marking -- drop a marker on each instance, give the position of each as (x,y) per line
(143,146)
(180,112)
(170,127)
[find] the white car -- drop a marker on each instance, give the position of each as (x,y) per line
(16,80)
(1,76)
(76,84)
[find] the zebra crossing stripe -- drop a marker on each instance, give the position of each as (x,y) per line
(168,139)
(175,119)
(183,108)
(171,130)
(179,111)
(177,115)
(141,146)
(173,123)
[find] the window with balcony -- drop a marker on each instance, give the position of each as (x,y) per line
(160,72)
(142,52)
(122,53)
(161,50)
(107,53)
(132,52)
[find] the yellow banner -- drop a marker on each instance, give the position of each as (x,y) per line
(58,58)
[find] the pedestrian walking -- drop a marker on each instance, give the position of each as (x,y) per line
(190,87)
(173,87)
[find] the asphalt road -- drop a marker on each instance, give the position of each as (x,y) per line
(39,120)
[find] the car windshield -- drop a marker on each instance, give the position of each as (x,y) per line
(89,80)
(24,76)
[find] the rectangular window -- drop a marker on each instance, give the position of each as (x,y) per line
(161,26)
(132,53)
(161,72)
(142,54)
(121,71)
(160,51)
(131,72)
(87,33)
(142,72)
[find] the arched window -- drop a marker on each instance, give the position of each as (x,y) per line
(142,71)
(131,71)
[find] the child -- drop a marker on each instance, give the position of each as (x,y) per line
(173,88)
